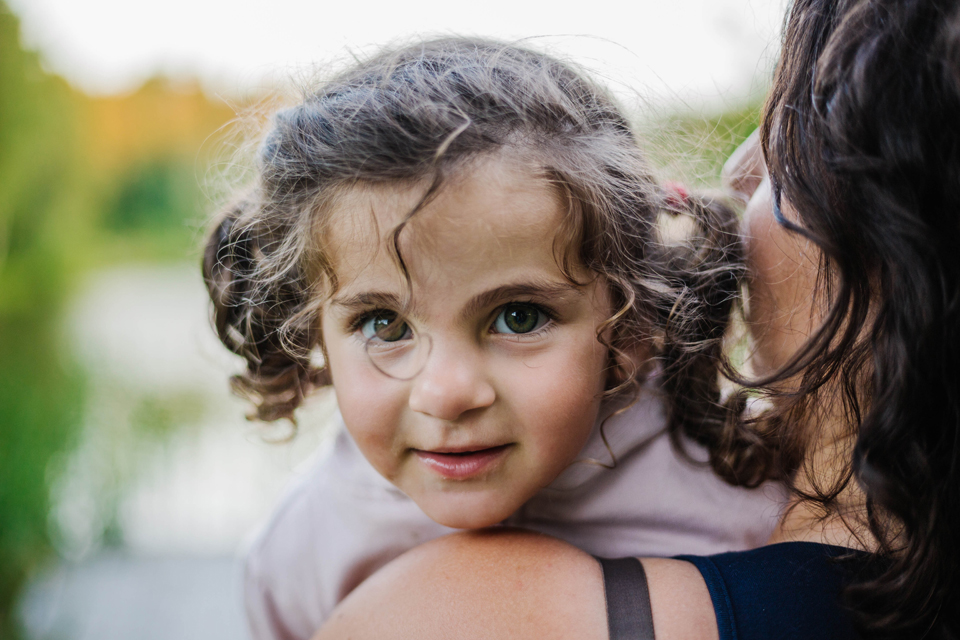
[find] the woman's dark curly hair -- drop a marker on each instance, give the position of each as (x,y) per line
(423,112)
(861,135)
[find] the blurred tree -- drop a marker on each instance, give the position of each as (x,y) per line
(148,151)
(39,393)
(84,183)
(158,195)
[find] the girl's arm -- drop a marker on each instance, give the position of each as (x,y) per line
(510,584)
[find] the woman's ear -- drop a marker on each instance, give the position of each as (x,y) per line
(744,169)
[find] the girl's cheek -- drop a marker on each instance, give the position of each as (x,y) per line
(561,395)
(370,412)
(571,364)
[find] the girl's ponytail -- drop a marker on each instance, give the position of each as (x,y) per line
(251,316)
(705,268)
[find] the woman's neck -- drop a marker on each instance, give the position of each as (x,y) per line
(843,521)
(805,522)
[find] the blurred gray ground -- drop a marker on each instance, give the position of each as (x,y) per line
(118,596)
(167,480)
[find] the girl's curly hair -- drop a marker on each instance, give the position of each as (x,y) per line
(423,112)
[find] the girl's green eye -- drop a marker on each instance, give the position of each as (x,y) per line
(384,325)
(519,318)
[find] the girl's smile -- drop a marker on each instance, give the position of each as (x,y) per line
(481,386)
(462,463)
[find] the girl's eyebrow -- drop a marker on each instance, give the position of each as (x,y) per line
(369,300)
(543,290)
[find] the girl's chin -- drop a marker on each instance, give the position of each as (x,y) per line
(464,513)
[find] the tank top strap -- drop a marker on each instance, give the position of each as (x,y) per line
(628,600)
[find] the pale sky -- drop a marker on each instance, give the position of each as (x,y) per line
(696,50)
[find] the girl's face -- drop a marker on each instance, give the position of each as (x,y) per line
(510,375)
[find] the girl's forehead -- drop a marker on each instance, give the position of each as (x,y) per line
(495,209)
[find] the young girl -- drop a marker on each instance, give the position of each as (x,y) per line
(468,234)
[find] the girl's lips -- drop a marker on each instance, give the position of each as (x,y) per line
(463,465)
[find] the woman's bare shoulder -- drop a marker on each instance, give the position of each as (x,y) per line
(483,584)
(504,583)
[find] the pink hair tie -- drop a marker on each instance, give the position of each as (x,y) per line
(677,194)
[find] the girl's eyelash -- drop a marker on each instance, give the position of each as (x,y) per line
(358,320)
(552,319)
(545,310)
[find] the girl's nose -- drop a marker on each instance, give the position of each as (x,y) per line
(451,383)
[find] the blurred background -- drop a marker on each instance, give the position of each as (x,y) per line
(129,478)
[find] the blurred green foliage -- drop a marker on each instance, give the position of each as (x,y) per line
(37,156)
(40,401)
(78,191)
(692,147)
(158,417)
(153,197)
(40,394)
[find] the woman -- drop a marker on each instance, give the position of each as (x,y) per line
(854,307)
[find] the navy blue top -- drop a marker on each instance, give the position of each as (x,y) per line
(788,591)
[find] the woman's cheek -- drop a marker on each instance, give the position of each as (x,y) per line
(782,272)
